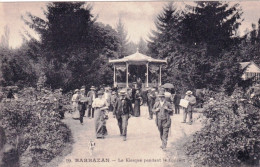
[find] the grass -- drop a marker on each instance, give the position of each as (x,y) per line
(176,153)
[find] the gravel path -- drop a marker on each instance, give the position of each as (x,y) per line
(142,146)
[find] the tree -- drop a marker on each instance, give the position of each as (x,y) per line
(5,38)
(71,41)
(166,28)
(131,47)
(258,33)
(250,45)
(164,43)
(194,42)
(253,34)
(123,41)
(17,69)
(67,25)
(212,24)
(142,46)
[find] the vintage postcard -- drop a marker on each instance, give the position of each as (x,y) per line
(129,83)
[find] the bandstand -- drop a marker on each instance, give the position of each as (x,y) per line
(138,59)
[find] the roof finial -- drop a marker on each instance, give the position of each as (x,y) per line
(137,50)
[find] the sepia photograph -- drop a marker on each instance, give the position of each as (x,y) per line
(129,83)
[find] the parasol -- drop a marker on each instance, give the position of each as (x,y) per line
(168,86)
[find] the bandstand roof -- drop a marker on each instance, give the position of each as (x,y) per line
(138,59)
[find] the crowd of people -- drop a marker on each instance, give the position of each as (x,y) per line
(124,103)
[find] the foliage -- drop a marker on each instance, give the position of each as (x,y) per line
(164,43)
(230,136)
(33,126)
(41,81)
(71,42)
(213,24)
(16,68)
(123,40)
(197,43)
(142,46)
(250,45)
(68,22)
(131,48)
(5,38)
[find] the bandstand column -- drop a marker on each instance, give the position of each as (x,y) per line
(114,76)
(160,76)
(126,74)
(147,74)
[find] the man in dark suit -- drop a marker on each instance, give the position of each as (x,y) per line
(150,101)
(91,96)
(176,102)
(139,83)
(114,98)
(122,111)
(163,110)
(82,105)
(134,87)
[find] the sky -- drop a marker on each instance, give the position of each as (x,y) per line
(138,17)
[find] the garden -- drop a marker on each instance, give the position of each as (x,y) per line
(230,133)
(33,131)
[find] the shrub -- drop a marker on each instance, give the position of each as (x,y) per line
(230,136)
(33,126)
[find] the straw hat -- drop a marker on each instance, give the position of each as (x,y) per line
(92,88)
(189,92)
(76,90)
(122,92)
(161,94)
(100,92)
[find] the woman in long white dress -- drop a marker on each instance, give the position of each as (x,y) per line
(75,105)
(100,109)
